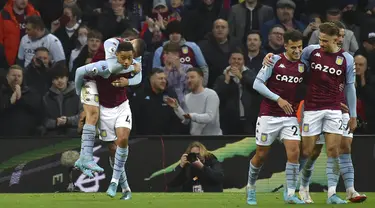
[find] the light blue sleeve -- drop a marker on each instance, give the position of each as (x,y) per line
(138,77)
(351,99)
(201,62)
(306,53)
(350,68)
(263,75)
(266,71)
(81,72)
(156,63)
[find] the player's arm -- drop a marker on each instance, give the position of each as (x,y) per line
(138,76)
(263,75)
(306,53)
(350,91)
(86,70)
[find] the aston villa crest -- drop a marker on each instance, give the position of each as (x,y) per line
(185,50)
(339,60)
(301,68)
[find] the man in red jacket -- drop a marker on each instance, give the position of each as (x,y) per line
(12,27)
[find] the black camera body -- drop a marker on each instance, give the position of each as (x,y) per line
(192,157)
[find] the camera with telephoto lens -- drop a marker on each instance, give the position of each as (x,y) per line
(192,157)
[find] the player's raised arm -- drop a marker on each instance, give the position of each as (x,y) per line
(86,70)
(263,75)
(350,91)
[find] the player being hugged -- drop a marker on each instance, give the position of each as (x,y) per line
(86,87)
(116,117)
(346,164)
(278,83)
(330,68)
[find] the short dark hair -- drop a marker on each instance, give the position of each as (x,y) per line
(171,48)
(94,34)
(36,22)
(339,24)
(237,50)
(155,71)
(276,26)
(195,69)
(333,11)
(125,46)
(58,70)
(292,35)
(329,28)
(44,49)
(255,32)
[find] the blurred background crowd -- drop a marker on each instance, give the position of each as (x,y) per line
(43,42)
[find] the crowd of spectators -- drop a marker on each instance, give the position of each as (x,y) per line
(43,42)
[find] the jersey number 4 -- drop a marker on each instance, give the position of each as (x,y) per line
(127,119)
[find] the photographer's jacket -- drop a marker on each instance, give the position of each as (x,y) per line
(210,177)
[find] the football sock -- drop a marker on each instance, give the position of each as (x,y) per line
(119,166)
(253,176)
(347,170)
(291,173)
(88,140)
(307,173)
(333,174)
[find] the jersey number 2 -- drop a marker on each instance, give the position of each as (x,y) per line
(127,119)
(295,129)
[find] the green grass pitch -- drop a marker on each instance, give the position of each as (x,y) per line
(162,200)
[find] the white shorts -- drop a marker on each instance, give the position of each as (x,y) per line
(270,128)
(89,94)
(112,118)
(346,134)
(316,122)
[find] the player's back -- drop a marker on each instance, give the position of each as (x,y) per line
(327,78)
(285,79)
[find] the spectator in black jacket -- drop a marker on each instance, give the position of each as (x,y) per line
(198,171)
(20,106)
(216,49)
(238,111)
(61,105)
(151,115)
(36,75)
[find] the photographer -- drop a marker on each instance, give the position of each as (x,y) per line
(199,171)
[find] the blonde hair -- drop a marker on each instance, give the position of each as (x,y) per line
(203,152)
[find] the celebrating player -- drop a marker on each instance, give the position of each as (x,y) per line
(116,119)
(89,97)
(277,119)
(331,68)
(346,164)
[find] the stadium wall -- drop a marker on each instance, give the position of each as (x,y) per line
(35,165)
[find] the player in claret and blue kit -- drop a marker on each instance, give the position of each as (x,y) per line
(346,165)
(116,52)
(278,83)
